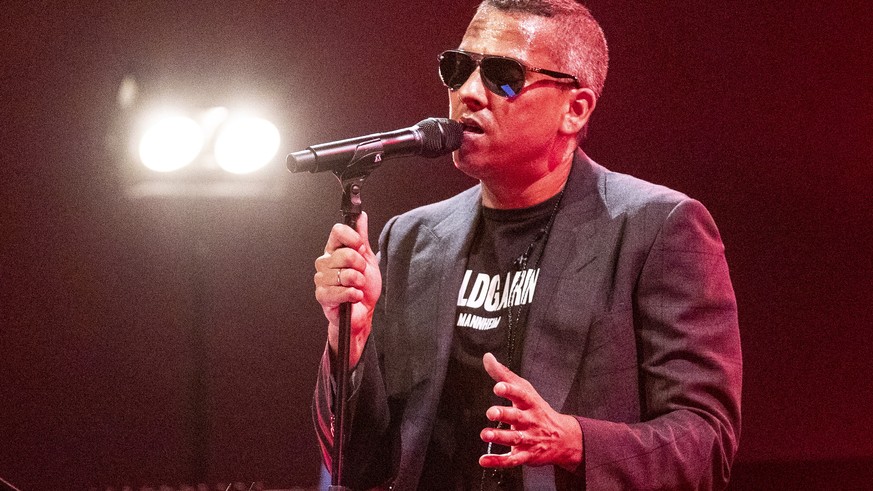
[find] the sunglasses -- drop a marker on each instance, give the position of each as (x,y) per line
(502,75)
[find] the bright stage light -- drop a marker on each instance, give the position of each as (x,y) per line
(245,145)
(170,144)
(189,146)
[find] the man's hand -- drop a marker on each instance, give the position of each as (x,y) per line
(538,435)
(348,272)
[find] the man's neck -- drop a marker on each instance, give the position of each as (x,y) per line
(508,194)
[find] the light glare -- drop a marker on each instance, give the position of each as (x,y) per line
(246,145)
(170,144)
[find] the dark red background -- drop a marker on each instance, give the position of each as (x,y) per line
(176,341)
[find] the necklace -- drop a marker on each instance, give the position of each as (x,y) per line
(520,264)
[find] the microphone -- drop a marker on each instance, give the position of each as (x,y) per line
(429,138)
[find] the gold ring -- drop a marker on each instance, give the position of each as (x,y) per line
(339,280)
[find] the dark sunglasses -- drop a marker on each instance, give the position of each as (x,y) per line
(502,75)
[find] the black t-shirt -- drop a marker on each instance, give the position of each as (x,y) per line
(499,283)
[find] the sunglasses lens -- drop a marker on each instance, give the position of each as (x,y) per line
(503,76)
(455,69)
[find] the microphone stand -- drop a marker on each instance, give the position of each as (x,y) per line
(367,158)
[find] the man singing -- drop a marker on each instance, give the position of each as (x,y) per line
(557,326)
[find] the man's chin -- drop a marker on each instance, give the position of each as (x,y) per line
(471,164)
(465,163)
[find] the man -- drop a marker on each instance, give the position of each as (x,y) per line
(555,327)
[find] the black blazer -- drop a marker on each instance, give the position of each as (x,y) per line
(633,330)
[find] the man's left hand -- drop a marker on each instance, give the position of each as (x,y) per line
(537,434)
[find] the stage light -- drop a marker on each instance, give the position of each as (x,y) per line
(199,140)
(246,144)
(171,143)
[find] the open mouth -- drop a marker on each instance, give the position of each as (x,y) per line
(471,127)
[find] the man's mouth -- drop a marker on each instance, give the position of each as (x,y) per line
(472,127)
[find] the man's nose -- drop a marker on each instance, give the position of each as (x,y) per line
(473,92)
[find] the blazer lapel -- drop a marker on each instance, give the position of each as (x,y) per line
(441,262)
(437,269)
(557,325)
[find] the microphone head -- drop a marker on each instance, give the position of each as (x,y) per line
(440,136)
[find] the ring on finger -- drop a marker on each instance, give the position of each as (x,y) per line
(520,436)
(339,279)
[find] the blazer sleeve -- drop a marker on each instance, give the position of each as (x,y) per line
(372,442)
(367,462)
(685,322)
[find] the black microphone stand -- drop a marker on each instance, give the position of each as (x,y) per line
(367,158)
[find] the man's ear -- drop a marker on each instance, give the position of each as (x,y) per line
(579,109)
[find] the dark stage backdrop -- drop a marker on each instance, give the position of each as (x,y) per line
(176,340)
